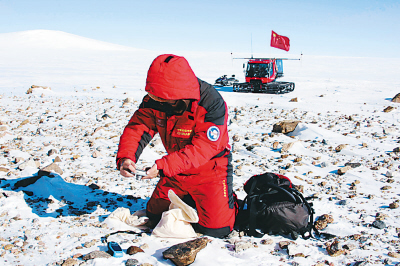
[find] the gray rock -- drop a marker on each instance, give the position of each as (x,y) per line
(324,164)
(185,253)
(28,163)
(389,174)
(293,249)
(96,254)
(70,262)
(353,165)
(233,234)
(52,168)
(242,245)
(379,224)
(131,262)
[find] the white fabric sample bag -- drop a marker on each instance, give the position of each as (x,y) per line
(176,221)
(121,219)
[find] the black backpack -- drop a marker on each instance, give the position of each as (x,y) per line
(274,206)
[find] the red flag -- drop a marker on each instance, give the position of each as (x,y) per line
(279,41)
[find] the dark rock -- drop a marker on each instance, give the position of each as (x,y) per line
(284,244)
(96,254)
(396,98)
(185,253)
(132,250)
(340,147)
(94,186)
(320,224)
(105,116)
(327,235)
(360,263)
(343,170)
(335,249)
(323,221)
(131,262)
(349,246)
(51,152)
(393,205)
(379,224)
(353,165)
(250,148)
(388,109)
(41,173)
(285,126)
(326,217)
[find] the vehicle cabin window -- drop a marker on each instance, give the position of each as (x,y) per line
(259,70)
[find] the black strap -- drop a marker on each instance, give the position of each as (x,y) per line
(168,59)
(278,188)
(311,225)
(220,154)
(104,238)
(253,219)
(253,212)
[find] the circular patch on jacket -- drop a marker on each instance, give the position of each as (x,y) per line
(213,133)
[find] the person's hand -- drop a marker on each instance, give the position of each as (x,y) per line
(127,168)
(152,172)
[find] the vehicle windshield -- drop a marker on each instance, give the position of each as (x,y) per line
(259,70)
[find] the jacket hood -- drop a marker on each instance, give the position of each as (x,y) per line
(170,77)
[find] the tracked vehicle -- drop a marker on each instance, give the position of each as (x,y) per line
(261,75)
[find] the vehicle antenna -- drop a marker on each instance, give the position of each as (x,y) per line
(251,44)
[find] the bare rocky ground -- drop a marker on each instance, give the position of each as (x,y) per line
(351,170)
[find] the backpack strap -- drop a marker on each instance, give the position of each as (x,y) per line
(284,191)
(251,201)
(311,225)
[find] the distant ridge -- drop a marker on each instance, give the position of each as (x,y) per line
(51,39)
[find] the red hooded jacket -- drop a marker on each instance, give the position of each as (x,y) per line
(192,138)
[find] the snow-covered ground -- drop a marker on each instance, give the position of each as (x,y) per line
(77,123)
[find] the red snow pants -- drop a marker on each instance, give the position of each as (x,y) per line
(212,192)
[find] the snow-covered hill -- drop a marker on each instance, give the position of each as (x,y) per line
(51,219)
(50,39)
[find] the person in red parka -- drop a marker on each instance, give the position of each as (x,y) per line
(191,118)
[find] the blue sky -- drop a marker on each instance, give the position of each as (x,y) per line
(338,28)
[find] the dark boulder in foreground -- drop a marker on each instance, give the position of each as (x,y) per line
(185,253)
